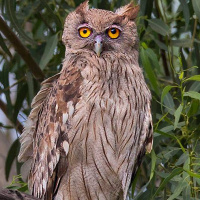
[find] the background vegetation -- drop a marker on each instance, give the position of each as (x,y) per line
(169,33)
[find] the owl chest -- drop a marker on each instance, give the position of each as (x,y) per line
(103,113)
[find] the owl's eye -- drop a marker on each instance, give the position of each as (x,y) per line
(113,33)
(84,32)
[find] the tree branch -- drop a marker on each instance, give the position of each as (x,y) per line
(22,50)
(6,194)
(18,125)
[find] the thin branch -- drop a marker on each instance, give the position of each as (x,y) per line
(18,125)
(7,194)
(22,50)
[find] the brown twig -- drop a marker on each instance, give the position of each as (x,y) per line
(6,194)
(18,125)
(22,50)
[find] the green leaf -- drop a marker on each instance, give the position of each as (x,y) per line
(182,42)
(173,137)
(149,71)
(175,172)
(169,103)
(181,75)
(21,94)
(177,115)
(196,7)
(52,14)
(165,91)
(153,163)
(193,78)
(12,155)
(195,87)
(187,193)
(179,188)
(153,57)
(194,108)
(192,94)
(49,50)
(10,9)
(186,12)
(159,26)
(161,44)
(4,47)
(30,86)
(182,159)
(192,173)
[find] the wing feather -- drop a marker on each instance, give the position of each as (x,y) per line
(45,137)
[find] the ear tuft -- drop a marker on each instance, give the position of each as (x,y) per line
(129,10)
(83,7)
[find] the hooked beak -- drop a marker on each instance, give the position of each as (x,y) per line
(98,45)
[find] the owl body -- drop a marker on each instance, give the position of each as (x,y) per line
(91,124)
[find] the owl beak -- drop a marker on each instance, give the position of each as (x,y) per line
(98,45)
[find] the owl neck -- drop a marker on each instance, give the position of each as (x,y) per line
(106,67)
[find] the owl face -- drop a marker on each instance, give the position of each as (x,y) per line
(100,31)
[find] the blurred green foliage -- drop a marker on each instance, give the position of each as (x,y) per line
(169,33)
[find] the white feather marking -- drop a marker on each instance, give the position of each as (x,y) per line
(51,166)
(44,184)
(56,107)
(71,108)
(65,145)
(65,118)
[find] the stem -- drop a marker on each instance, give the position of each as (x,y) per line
(162,52)
(193,37)
(22,50)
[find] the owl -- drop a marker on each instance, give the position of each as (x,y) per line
(91,124)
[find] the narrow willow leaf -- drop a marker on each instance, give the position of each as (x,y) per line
(149,71)
(193,78)
(10,8)
(196,7)
(165,91)
(186,12)
(192,94)
(159,26)
(179,188)
(181,75)
(161,45)
(173,137)
(192,173)
(153,57)
(177,115)
(52,14)
(175,172)
(49,50)
(30,86)
(153,163)
(169,103)
(182,42)
(21,94)
(12,154)
(182,159)
(187,193)
(4,47)
(194,108)
(195,87)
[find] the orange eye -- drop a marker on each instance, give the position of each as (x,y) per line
(84,32)
(113,33)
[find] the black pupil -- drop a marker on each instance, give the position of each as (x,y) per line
(85,31)
(113,30)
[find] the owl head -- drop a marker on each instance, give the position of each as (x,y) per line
(100,31)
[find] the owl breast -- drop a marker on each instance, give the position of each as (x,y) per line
(104,132)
